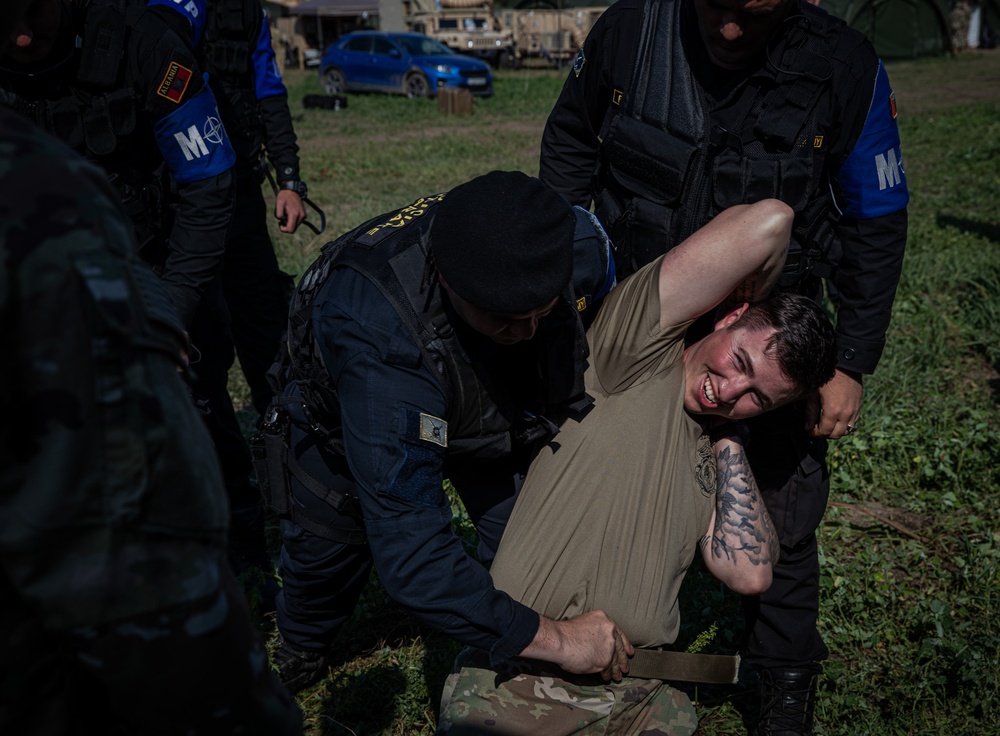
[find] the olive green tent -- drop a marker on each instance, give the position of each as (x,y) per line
(905,29)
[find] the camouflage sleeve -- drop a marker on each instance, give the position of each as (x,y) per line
(112,510)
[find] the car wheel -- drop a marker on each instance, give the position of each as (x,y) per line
(416,86)
(333,82)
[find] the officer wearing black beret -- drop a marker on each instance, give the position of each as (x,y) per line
(443,340)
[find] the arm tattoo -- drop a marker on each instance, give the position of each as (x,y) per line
(742,524)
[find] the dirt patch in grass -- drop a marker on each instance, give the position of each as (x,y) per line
(928,85)
(873,513)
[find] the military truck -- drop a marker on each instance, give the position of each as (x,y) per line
(466,26)
(544,32)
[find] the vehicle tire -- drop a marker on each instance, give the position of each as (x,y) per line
(416,86)
(506,59)
(334,82)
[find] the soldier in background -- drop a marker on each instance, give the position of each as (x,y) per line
(117,610)
(248,316)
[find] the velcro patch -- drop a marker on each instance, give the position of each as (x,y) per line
(433,429)
(175,82)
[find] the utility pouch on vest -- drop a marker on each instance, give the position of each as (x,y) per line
(646,161)
(108,117)
(227,56)
(104,34)
(269,447)
(65,121)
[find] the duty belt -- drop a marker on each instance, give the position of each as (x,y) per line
(656,664)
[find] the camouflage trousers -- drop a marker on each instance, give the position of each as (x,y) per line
(524,697)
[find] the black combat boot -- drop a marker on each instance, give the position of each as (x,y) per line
(786,702)
(297,668)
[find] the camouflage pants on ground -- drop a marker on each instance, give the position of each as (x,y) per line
(522,698)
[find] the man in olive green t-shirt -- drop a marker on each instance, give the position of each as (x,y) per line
(615,506)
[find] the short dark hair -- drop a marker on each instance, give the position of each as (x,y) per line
(804,341)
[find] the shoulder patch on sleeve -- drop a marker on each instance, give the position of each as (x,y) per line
(578,62)
(433,429)
(175,82)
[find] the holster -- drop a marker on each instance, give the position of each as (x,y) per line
(269,448)
(274,464)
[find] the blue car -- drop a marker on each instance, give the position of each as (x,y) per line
(401,63)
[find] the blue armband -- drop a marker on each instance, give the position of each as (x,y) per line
(193,140)
(267,77)
(872,178)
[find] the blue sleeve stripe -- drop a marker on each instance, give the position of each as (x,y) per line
(872,178)
(267,77)
(193,140)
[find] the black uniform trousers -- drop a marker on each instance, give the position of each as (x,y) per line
(257,292)
(790,469)
(244,312)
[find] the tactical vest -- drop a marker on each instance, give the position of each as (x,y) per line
(231,25)
(665,170)
(392,252)
(99,106)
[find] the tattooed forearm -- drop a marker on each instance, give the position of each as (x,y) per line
(743,529)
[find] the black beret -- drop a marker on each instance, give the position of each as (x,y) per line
(504,242)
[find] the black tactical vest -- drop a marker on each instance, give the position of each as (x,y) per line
(483,422)
(665,169)
(231,26)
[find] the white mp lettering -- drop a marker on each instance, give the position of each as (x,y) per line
(191,144)
(888,167)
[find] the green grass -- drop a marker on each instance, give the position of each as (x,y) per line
(910,546)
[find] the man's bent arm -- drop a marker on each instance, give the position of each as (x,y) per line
(738,255)
(741,545)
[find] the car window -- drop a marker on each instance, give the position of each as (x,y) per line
(360,45)
(448,23)
(417,46)
(382,46)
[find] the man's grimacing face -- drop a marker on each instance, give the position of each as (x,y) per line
(735,32)
(729,374)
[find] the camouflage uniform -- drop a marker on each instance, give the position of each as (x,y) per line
(117,612)
(520,697)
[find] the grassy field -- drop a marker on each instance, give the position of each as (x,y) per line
(910,546)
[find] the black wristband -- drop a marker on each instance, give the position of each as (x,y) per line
(299,187)
(729,429)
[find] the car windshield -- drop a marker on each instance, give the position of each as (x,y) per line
(422,46)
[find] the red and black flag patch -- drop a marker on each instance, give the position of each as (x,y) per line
(175,82)
(892,104)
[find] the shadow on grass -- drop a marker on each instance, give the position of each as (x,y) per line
(988,230)
(361,703)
